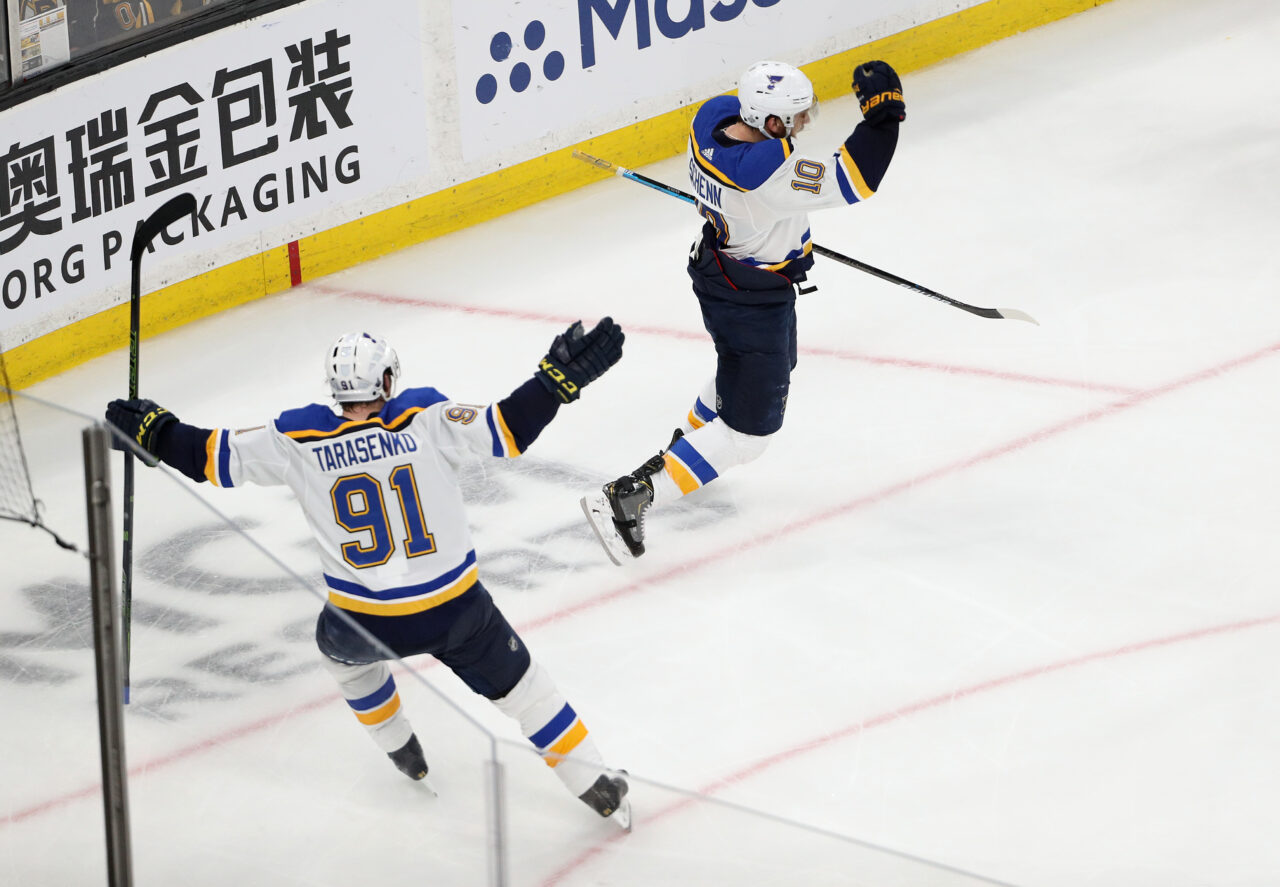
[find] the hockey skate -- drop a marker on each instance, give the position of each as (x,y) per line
(608,797)
(408,758)
(616,514)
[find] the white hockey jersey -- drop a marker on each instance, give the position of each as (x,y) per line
(757,195)
(381,495)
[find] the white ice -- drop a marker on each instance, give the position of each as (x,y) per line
(999,597)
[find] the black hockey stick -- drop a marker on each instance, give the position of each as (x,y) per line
(998,313)
(173,209)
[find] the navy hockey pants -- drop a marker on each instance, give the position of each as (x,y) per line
(751,316)
(469,634)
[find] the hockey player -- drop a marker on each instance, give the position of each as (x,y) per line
(375,476)
(754,192)
(31,8)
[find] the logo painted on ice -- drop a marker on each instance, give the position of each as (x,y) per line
(612,15)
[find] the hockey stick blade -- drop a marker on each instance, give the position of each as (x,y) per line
(1015,314)
(168,213)
(594,161)
(994,313)
(990,313)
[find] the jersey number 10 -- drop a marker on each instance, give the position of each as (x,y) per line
(360,507)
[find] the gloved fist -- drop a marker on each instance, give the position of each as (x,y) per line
(142,420)
(578,357)
(879,92)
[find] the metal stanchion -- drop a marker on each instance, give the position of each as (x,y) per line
(495,782)
(108,656)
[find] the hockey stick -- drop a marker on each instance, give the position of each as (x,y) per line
(998,313)
(172,210)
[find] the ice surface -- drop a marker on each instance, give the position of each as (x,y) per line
(999,597)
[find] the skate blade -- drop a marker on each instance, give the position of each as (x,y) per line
(622,816)
(596,508)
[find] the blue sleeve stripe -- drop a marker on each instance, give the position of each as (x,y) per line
(224,460)
(376,698)
(854,173)
(846,187)
(557,725)
(493,433)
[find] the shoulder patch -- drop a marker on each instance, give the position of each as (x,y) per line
(463,414)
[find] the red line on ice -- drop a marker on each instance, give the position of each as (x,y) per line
(905,711)
(667,332)
(687,566)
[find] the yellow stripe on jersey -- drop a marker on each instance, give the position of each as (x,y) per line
(384,712)
(404,606)
(211,458)
(567,743)
(855,174)
(392,425)
(808,248)
(695,420)
(508,439)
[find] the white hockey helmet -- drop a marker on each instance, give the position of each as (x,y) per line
(356,367)
(774,89)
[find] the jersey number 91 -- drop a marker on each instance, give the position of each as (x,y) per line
(359,506)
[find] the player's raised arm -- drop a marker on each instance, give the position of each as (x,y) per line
(865,155)
(576,358)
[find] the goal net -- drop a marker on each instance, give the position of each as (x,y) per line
(17,500)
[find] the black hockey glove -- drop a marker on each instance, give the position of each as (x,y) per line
(879,92)
(577,358)
(142,420)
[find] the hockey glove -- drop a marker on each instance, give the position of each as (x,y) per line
(578,357)
(879,92)
(142,420)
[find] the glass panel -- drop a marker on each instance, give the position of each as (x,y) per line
(108,22)
(4,49)
(681,837)
(246,763)
(43,35)
(50,807)
(52,32)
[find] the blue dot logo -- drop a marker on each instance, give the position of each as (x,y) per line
(500,46)
(520,77)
